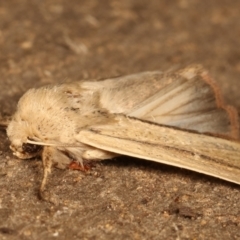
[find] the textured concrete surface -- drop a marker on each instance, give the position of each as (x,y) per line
(54,41)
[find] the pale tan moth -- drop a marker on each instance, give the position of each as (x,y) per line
(177,118)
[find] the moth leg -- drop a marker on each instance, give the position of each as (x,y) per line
(98,154)
(89,156)
(47,160)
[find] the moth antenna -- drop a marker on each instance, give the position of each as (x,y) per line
(51,144)
(41,143)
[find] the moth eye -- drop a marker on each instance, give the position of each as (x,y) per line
(31,148)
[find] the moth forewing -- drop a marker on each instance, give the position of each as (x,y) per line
(202,153)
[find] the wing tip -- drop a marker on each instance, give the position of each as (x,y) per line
(231,110)
(197,69)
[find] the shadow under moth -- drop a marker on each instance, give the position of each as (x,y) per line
(177,118)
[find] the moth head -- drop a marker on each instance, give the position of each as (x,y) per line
(26,150)
(19,133)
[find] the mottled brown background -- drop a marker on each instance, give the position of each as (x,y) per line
(52,41)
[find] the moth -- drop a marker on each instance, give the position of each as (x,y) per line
(177,118)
